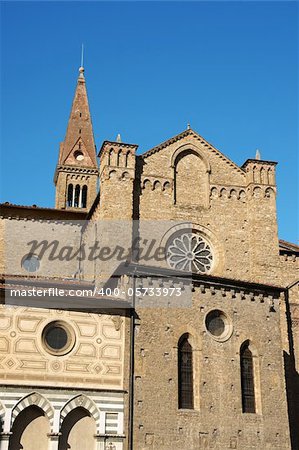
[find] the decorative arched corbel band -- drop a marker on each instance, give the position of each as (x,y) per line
(192,149)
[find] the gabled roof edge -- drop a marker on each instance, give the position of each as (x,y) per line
(191,132)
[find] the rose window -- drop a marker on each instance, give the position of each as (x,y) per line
(191,252)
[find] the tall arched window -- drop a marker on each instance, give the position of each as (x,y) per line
(189,167)
(84,196)
(127,159)
(185,373)
(70,195)
(110,157)
(77,196)
(247,379)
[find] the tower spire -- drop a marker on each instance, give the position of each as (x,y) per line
(77,170)
(79,134)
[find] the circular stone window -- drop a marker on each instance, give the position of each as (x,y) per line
(218,325)
(78,155)
(58,338)
(189,251)
(31,263)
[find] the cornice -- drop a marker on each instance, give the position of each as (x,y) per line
(258,162)
(139,270)
(118,144)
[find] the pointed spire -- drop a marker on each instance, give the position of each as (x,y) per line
(257,154)
(118,138)
(188,126)
(79,134)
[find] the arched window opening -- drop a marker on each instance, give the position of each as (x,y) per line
(70,195)
(77,431)
(255,175)
(30,422)
(84,196)
(247,379)
(271,176)
(110,157)
(185,374)
(119,155)
(190,169)
(127,159)
(77,196)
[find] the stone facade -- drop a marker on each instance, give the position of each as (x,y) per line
(117,384)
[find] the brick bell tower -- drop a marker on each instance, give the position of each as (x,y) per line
(76,175)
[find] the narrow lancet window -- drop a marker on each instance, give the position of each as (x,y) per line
(84,196)
(247,379)
(70,195)
(77,196)
(185,373)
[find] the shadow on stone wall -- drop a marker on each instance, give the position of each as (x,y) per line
(292,385)
(292,381)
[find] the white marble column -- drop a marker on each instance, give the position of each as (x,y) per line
(73,198)
(100,442)
(80,197)
(53,441)
(4,440)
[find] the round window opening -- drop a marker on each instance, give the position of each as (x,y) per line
(189,251)
(218,325)
(31,263)
(78,155)
(58,338)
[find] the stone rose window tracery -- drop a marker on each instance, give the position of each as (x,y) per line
(189,251)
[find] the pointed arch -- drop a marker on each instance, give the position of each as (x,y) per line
(127,158)
(256,174)
(264,176)
(247,378)
(119,158)
(271,176)
(110,153)
(84,402)
(77,196)
(185,373)
(33,399)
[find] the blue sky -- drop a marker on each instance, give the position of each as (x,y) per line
(228,68)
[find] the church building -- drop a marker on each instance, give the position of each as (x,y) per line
(154,307)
